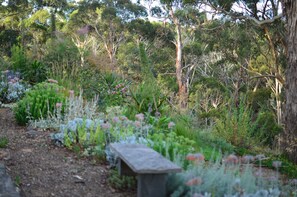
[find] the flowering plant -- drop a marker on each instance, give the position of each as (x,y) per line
(12,88)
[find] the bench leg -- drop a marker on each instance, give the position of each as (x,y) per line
(124,169)
(151,185)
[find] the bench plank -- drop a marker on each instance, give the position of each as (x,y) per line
(144,160)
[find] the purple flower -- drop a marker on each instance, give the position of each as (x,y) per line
(158,114)
(71,93)
(137,124)
(59,105)
(140,117)
(106,125)
(171,125)
(116,119)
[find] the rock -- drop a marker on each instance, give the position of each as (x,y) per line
(31,133)
(7,188)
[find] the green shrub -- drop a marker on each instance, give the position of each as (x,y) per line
(3,142)
(259,99)
(266,128)
(31,71)
(112,90)
(235,126)
(18,58)
(172,146)
(146,98)
(34,72)
(39,102)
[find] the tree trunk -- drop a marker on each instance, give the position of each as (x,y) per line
(181,81)
(278,91)
(289,141)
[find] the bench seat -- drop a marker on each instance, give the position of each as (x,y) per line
(150,167)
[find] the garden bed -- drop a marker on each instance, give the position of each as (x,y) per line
(40,168)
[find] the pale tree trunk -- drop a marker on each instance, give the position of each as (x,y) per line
(290,119)
(277,86)
(181,80)
(278,91)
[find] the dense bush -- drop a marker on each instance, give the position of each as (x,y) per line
(146,98)
(235,125)
(39,102)
(172,146)
(18,58)
(112,90)
(32,71)
(266,128)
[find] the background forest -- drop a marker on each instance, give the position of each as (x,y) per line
(199,75)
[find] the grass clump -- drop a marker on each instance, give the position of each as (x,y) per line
(3,142)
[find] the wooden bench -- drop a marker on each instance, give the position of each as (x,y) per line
(150,167)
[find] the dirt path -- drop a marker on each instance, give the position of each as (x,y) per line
(42,169)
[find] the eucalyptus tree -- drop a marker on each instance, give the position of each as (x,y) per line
(290,137)
(269,15)
(183,16)
(264,16)
(108,22)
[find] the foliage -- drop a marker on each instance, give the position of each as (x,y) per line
(65,73)
(98,132)
(39,102)
(31,71)
(61,51)
(259,99)
(235,125)
(288,168)
(121,182)
(266,128)
(18,58)
(225,178)
(112,90)
(11,87)
(3,142)
(74,106)
(171,145)
(146,97)
(35,72)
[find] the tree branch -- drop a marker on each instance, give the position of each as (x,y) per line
(244,17)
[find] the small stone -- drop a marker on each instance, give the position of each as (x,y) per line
(31,134)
